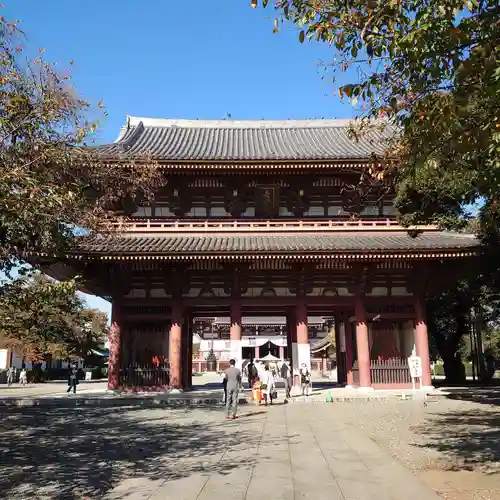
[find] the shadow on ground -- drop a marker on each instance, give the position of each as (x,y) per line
(75,453)
(480,394)
(466,439)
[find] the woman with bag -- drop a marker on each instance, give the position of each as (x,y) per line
(270,391)
(305,380)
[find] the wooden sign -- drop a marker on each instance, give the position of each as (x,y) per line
(267,201)
(415,366)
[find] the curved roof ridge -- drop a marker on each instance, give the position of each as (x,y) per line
(128,135)
(247,140)
(134,121)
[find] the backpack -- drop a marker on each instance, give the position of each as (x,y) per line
(285,371)
(252,370)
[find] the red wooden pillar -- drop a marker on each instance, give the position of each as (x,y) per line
(185,354)
(349,350)
(235,332)
(282,352)
(362,343)
(292,345)
(303,353)
(422,340)
(114,341)
(190,353)
(338,350)
(256,354)
(175,347)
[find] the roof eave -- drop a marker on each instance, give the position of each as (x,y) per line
(341,254)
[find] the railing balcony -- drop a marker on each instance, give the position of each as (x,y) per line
(204,226)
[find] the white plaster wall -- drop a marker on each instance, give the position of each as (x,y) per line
(236,352)
(342,336)
(3,359)
(295,358)
(304,355)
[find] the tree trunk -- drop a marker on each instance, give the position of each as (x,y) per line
(453,367)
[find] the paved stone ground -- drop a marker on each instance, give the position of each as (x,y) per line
(361,450)
(49,389)
(453,445)
(281,452)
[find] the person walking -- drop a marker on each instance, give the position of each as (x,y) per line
(224,386)
(11,375)
(23,377)
(305,379)
(286,375)
(72,380)
(251,374)
(233,385)
(270,385)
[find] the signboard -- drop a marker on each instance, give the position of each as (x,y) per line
(415,365)
(267,201)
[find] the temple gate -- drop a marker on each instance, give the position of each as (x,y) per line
(263,218)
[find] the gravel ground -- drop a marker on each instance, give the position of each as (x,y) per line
(454,445)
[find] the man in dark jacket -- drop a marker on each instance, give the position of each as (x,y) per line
(251,373)
(286,375)
(233,384)
(72,379)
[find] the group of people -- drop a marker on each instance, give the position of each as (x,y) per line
(265,376)
(11,376)
(23,377)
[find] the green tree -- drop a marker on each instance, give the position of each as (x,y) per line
(42,319)
(428,73)
(53,184)
(432,70)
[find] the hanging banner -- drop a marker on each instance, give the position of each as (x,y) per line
(260,341)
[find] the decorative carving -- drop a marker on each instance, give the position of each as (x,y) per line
(235,280)
(235,196)
(360,280)
(298,196)
(302,280)
(179,196)
(389,308)
(206,290)
(177,282)
(119,282)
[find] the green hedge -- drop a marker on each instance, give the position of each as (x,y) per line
(439,369)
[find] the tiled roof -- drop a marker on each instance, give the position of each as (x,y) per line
(252,140)
(320,344)
(273,243)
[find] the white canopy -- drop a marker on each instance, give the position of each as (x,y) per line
(269,357)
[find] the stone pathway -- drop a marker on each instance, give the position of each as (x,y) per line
(295,453)
(289,452)
(49,389)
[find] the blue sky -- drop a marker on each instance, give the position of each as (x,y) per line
(180,59)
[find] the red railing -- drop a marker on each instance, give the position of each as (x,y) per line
(141,376)
(386,372)
(204,226)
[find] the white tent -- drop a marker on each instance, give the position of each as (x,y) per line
(269,357)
